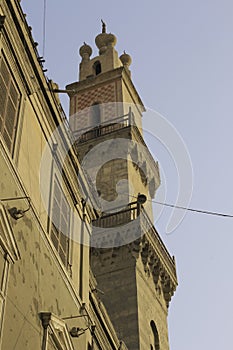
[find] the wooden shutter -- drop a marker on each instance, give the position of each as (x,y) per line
(9,104)
(60,222)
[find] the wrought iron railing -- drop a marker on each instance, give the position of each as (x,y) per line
(117,218)
(110,126)
(104,128)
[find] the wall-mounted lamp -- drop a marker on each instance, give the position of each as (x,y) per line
(14,212)
(17,213)
(75,332)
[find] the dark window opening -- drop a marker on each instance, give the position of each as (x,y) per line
(97,67)
(95,115)
(155,335)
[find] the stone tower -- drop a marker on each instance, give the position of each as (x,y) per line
(135,273)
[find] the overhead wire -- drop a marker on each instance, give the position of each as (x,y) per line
(200,211)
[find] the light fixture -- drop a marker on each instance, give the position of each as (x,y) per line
(14,212)
(75,332)
(141,199)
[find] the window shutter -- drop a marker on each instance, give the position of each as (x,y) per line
(9,104)
(60,223)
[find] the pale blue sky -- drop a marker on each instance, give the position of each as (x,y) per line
(182,66)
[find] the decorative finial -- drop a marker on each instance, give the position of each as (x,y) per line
(126,59)
(103,26)
(85,51)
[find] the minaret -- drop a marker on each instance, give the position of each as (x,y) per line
(132,266)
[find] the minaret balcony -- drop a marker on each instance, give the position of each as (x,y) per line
(147,241)
(124,127)
(105,128)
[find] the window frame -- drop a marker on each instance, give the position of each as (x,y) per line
(95,115)
(53,230)
(10,253)
(10,85)
(155,335)
(55,331)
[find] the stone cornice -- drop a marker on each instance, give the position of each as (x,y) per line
(155,266)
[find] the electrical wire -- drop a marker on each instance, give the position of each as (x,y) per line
(200,211)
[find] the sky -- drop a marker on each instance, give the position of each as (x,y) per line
(182,53)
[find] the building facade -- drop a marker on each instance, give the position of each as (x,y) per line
(74,273)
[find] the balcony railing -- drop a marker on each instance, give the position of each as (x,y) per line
(110,126)
(105,128)
(118,218)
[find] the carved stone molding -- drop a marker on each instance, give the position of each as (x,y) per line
(158,270)
(154,265)
(106,256)
(55,331)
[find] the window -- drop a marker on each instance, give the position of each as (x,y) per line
(155,336)
(60,223)
(97,67)
(95,115)
(8,255)
(56,334)
(9,104)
